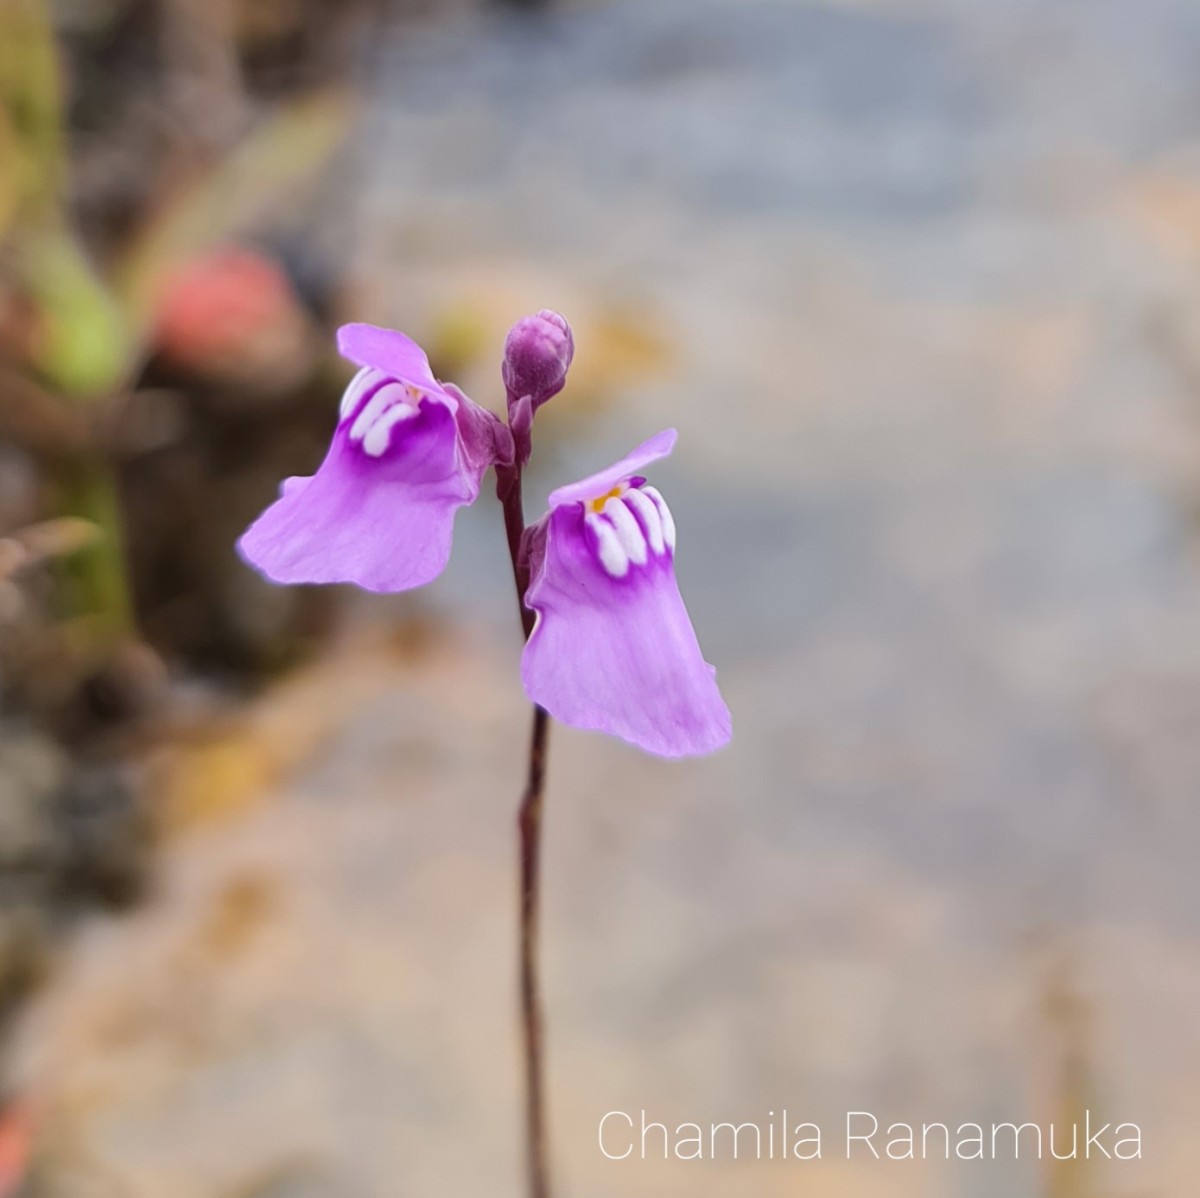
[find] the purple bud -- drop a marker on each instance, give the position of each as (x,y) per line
(537,354)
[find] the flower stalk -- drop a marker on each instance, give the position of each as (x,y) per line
(521,406)
(530,823)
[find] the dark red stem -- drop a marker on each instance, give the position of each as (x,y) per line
(529,820)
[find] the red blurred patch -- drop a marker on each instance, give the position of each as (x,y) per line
(16,1146)
(218,304)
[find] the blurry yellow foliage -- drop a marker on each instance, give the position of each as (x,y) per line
(462,333)
(230,766)
(31,99)
(11,170)
(624,343)
(218,778)
(83,346)
(80,345)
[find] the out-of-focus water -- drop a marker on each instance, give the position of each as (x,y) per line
(924,280)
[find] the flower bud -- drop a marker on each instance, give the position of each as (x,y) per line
(537,354)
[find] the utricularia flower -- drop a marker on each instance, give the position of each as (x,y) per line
(407,453)
(612,646)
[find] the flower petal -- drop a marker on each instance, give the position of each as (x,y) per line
(388,351)
(617,652)
(382,521)
(649,451)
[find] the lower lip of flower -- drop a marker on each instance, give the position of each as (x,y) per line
(630,525)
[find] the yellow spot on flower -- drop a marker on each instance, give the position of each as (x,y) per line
(597,504)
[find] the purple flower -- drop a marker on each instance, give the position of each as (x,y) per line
(613,648)
(407,452)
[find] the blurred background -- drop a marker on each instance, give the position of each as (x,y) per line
(919,283)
